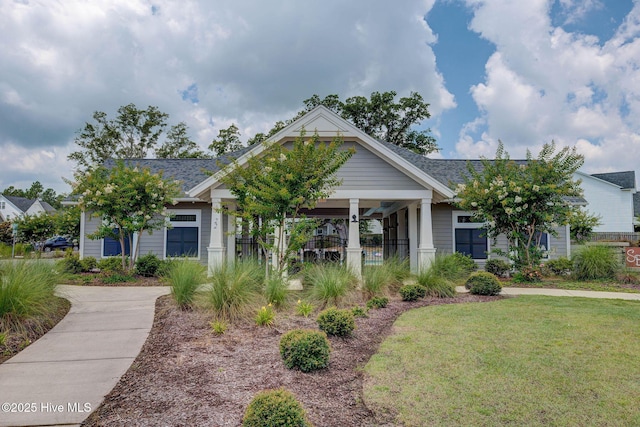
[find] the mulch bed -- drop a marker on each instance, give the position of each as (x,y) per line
(187,376)
(33,329)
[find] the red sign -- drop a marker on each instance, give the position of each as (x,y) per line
(632,257)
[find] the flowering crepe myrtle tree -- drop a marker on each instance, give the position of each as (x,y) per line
(272,189)
(522,200)
(129,200)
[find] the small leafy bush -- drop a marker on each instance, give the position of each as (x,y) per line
(358,311)
(377,302)
(305,349)
(266,316)
(70,264)
(412,292)
(595,262)
(304,308)
(528,275)
(497,267)
(148,265)
(483,283)
(275,408)
(111,264)
(560,266)
(336,322)
(88,263)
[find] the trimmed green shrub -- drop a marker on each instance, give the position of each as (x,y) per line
(377,302)
(412,292)
(147,265)
(560,266)
(483,283)
(336,322)
(88,263)
(275,408)
(184,277)
(305,349)
(358,311)
(497,267)
(70,264)
(595,262)
(111,264)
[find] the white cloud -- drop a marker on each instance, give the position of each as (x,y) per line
(544,83)
(247,62)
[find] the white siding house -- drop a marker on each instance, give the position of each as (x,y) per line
(610,196)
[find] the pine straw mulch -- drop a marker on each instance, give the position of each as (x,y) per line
(187,376)
(30,330)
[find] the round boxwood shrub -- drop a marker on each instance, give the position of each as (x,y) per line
(336,322)
(483,283)
(305,349)
(412,292)
(147,265)
(275,408)
(377,302)
(497,267)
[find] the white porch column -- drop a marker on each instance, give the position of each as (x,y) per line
(413,237)
(231,235)
(83,227)
(216,248)
(402,234)
(354,250)
(426,251)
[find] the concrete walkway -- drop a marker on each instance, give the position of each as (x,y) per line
(563,293)
(61,378)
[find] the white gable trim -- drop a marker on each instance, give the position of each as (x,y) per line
(322,115)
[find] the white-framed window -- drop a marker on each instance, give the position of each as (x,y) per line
(469,237)
(184,237)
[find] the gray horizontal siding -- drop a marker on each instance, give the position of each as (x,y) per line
(442,228)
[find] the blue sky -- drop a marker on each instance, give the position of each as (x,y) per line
(525,73)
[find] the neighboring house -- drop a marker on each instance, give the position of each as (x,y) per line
(12,207)
(410,194)
(611,197)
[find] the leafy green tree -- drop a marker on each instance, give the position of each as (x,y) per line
(278,184)
(35,229)
(130,135)
(6,233)
(522,200)
(228,140)
(582,223)
(178,145)
(380,116)
(127,199)
(67,222)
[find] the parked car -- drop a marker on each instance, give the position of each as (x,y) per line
(57,242)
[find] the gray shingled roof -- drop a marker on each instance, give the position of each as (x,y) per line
(21,203)
(190,172)
(626,180)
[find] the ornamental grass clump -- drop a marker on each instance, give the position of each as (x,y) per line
(436,285)
(595,262)
(27,295)
(276,290)
(376,280)
(329,284)
(235,289)
(184,277)
(337,322)
(455,267)
(275,408)
(305,349)
(483,283)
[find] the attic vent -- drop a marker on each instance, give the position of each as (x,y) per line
(183,218)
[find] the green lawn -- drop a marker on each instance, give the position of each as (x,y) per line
(583,285)
(518,361)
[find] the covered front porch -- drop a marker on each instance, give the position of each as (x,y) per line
(405,215)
